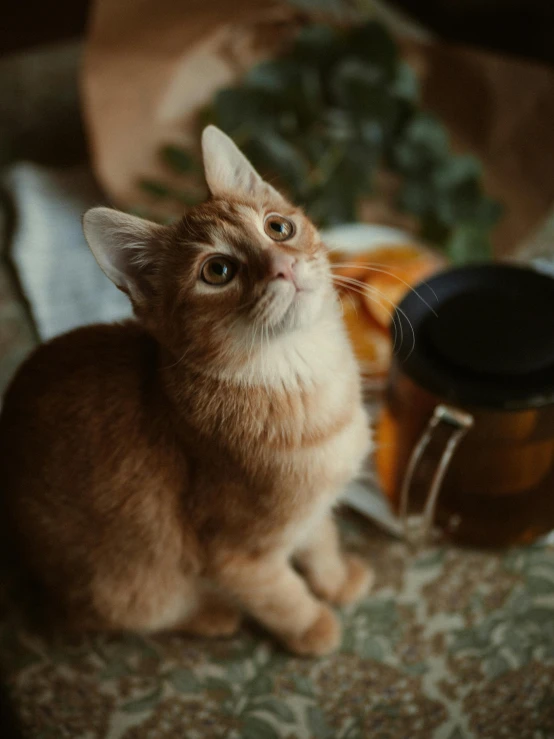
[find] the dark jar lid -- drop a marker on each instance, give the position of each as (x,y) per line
(480,335)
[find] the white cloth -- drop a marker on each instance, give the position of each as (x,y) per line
(59,276)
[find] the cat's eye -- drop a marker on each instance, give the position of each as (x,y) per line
(218,270)
(278,227)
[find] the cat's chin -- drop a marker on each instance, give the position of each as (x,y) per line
(302,312)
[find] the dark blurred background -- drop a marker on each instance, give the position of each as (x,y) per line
(523,28)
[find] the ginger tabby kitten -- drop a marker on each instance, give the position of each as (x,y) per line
(174,471)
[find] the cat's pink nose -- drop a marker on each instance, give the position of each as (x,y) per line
(282,267)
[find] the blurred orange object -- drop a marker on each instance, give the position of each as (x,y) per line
(358,266)
(386,289)
(371,284)
(372,345)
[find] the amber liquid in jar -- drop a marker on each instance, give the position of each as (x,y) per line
(499,488)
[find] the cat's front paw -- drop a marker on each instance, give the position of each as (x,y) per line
(322,637)
(357,583)
(215,619)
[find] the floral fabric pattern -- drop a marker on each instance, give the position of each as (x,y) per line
(450,644)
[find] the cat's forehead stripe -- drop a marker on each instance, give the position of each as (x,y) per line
(224,226)
(206,223)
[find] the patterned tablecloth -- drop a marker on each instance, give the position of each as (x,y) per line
(450,644)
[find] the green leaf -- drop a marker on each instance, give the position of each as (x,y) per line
(339,127)
(317,44)
(456,170)
(257,728)
(417,197)
(157,189)
(422,144)
(460,204)
(358,87)
(406,84)
(260,685)
(334,8)
(468,243)
(456,733)
(273,154)
(242,110)
(372,42)
(360,162)
(487,212)
(276,708)
(184,680)
(178,159)
(145,703)
(318,723)
(459,193)
(274,76)
(328,210)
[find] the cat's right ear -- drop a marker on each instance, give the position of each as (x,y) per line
(124,247)
(228,172)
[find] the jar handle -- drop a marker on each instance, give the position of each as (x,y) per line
(417,527)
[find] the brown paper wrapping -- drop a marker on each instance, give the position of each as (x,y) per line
(502,110)
(151,66)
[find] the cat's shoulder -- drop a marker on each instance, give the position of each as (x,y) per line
(97,342)
(111,352)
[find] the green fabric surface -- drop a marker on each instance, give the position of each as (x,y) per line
(450,643)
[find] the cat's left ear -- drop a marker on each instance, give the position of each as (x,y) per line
(126,249)
(228,172)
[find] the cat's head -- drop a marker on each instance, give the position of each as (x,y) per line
(243,267)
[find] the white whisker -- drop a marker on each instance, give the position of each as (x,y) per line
(362,288)
(376,267)
(350,282)
(181,359)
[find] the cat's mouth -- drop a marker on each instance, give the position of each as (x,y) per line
(284,306)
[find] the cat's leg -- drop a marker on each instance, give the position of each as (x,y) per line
(272,592)
(333,576)
(145,599)
(214,615)
(166,601)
